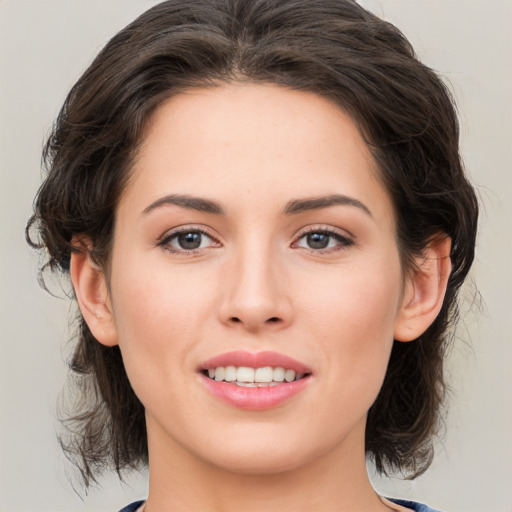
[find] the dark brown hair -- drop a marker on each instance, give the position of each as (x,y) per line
(333,48)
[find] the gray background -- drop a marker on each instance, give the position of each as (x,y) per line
(44,47)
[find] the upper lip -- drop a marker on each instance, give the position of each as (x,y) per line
(255,360)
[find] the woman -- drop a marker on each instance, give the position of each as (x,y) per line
(263,212)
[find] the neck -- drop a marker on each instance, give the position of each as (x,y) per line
(335,481)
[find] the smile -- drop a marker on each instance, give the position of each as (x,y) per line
(245,376)
(254,381)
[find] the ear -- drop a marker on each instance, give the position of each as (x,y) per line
(92,293)
(424,290)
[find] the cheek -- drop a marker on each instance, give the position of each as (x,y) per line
(355,312)
(157,315)
(149,294)
(157,322)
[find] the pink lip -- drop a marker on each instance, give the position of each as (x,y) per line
(255,360)
(255,399)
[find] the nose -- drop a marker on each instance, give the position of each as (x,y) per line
(255,295)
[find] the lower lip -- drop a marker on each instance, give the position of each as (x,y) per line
(254,399)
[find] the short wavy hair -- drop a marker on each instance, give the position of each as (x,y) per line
(333,48)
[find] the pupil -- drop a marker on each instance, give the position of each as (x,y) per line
(189,240)
(318,240)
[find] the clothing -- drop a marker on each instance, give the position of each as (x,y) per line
(132,507)
(417,507)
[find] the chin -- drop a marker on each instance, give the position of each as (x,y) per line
(262,451)
(258,462)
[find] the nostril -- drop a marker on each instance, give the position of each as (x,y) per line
(271,320)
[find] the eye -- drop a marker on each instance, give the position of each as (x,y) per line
(187,240)
(322,240)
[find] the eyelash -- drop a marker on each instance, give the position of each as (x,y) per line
(166,240)
(343,241)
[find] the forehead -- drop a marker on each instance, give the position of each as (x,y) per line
(247,141)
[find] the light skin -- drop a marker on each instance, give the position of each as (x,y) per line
(296,254)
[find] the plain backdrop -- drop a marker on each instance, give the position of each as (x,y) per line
(44,47)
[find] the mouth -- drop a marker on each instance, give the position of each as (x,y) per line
(245,376)
(254,381)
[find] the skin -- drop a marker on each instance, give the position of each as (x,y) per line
(256,284)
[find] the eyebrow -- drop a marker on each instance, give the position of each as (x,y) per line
(316,203)
(293,207)
(188,202)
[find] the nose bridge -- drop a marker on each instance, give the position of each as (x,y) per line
(255,296)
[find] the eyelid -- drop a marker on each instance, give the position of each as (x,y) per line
(324,228)
(345,238)
(164,239)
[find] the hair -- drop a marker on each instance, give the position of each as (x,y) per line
(332,48)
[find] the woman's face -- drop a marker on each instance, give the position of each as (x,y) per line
(254,233)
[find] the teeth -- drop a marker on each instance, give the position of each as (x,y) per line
(289,375)
(278,374)
(220,373)
(230,373)
(265,374)
(253,377)
(256,384)
(243,374)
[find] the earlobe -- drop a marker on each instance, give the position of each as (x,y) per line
(424,291)
(91,291)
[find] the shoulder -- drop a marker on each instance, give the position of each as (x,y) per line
(132,507)
(417,507)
